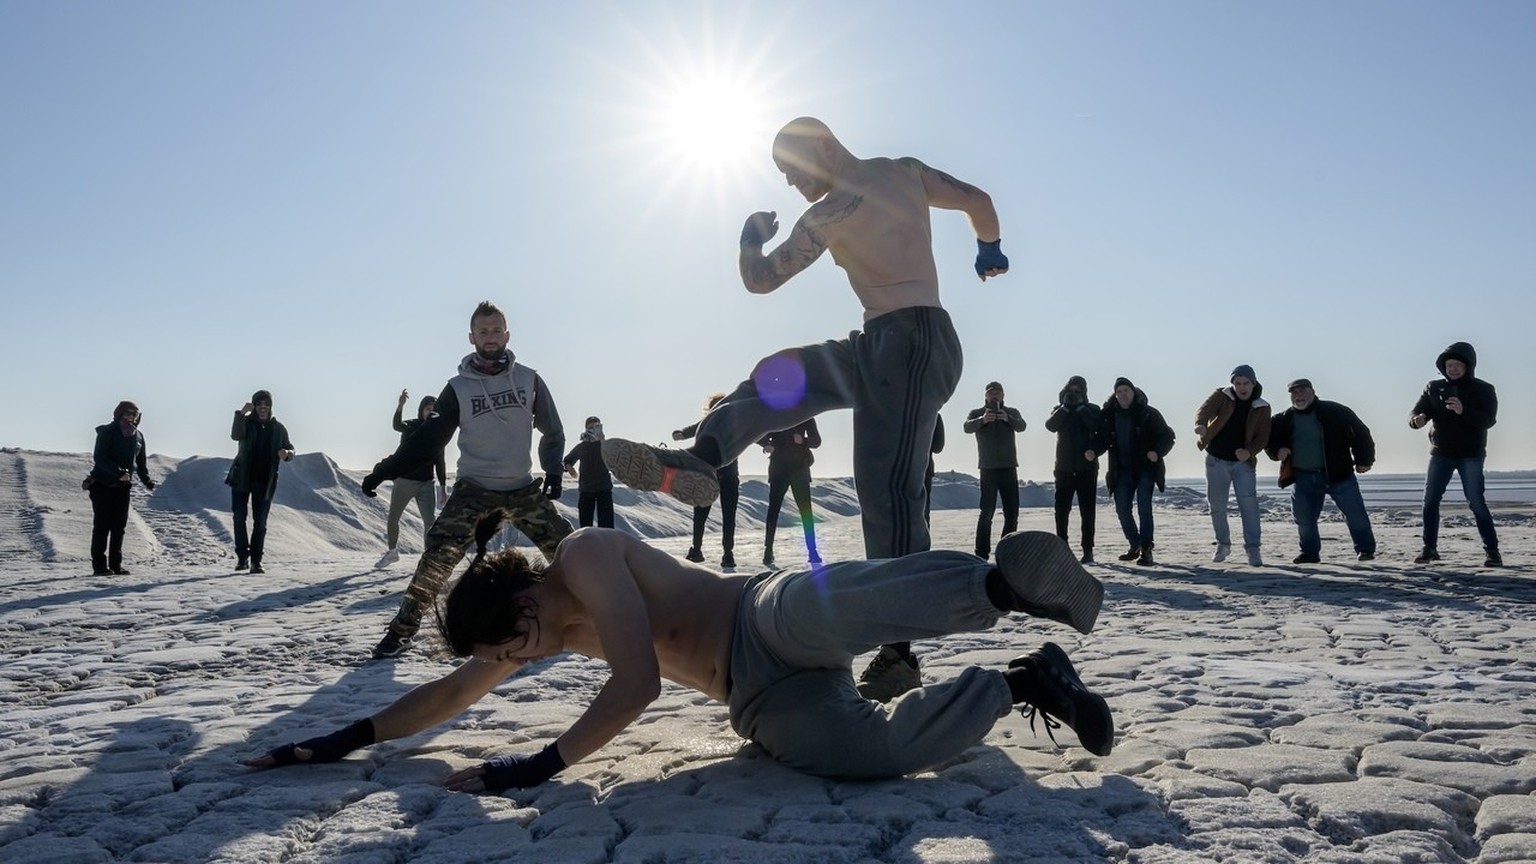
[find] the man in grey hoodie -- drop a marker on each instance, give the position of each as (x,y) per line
(494,403)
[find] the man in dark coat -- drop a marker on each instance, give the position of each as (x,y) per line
(253,476)
(1137,439)
(1321,446)
(1075,421)
(116,458)
(1462,408)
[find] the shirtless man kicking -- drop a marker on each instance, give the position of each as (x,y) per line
(873,214)
(776,648)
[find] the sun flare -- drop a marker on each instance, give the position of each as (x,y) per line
(711,123)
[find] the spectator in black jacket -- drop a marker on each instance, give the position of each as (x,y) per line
(1321,446)
(729,479)
(116,458)
(1075,421)
(593,480)
(996,426)
(1462,408)
(1137,439)
(789,467)
(416,485)
(253,476)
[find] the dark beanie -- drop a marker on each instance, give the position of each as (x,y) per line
(1079,382)
(1125,381)
(124,407)
(261,396)
(1243,370)
(993,385)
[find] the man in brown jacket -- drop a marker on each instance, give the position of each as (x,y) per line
(1232,427)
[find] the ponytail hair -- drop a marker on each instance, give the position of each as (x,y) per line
(486,606)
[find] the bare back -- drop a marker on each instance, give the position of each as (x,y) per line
(691,610)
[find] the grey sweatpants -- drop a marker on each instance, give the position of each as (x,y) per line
(895,374)
(403,492)
(797,633)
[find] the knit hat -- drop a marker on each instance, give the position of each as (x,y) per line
(1079,382)
(1126,381)
(1298,384)
(124,407)
(1243,370)
(993,385)
(261,396)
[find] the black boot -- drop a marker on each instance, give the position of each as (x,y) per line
(1132,554)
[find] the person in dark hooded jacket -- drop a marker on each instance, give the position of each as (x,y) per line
(1137,439)
(1321,446)
(1459,408)
(116,458)
(253,475)
(1075,421)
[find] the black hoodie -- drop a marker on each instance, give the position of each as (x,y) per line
(1464,435)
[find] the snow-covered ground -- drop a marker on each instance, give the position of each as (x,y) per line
(1336,713)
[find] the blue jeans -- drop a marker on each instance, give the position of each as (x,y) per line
(1129,484)
(797,633)
(1437,478)
(1307,505)
(1220,475)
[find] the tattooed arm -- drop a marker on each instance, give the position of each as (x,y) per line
(764,273)
(947,193)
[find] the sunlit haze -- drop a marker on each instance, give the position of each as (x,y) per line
(198,200)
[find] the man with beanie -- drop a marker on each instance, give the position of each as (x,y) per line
(1459,408)
(416,486)
(594,483)
(1321,446)
(253,475)
(1075,421)
(1137,440)
(116,458)
(996,427)
(494,404)
(1232,427)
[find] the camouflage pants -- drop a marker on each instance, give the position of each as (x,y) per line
(454,531)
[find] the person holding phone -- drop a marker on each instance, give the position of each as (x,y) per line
(1459,408)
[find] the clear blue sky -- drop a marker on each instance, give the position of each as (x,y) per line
(201,199)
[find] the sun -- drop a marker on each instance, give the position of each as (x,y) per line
(711,123)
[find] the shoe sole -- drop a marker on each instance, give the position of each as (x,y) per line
(1052,653)
(1050,580)
(638,467)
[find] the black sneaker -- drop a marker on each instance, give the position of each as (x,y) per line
(392,645)
(1366,556)
(695,554)
(814,558)
(120,571)
(1054,690)
(256,568)
(678,473)
(727,560)
(100,571)
(1087,557)
(1145,558)
(767,559)
(1047,580)
(1429,554)
(1494,559)
(243,564)
(1304,558)
(1131,554)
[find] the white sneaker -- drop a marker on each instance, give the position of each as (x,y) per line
(389,558)
(1254,559)
(1222,551)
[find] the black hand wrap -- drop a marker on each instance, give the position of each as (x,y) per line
(504,772)
(328,748)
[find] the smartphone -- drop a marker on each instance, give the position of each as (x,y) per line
(1449,393)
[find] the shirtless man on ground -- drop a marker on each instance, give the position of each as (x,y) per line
(776,648)
(873,215)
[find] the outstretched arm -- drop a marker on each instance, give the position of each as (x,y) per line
(423,707)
